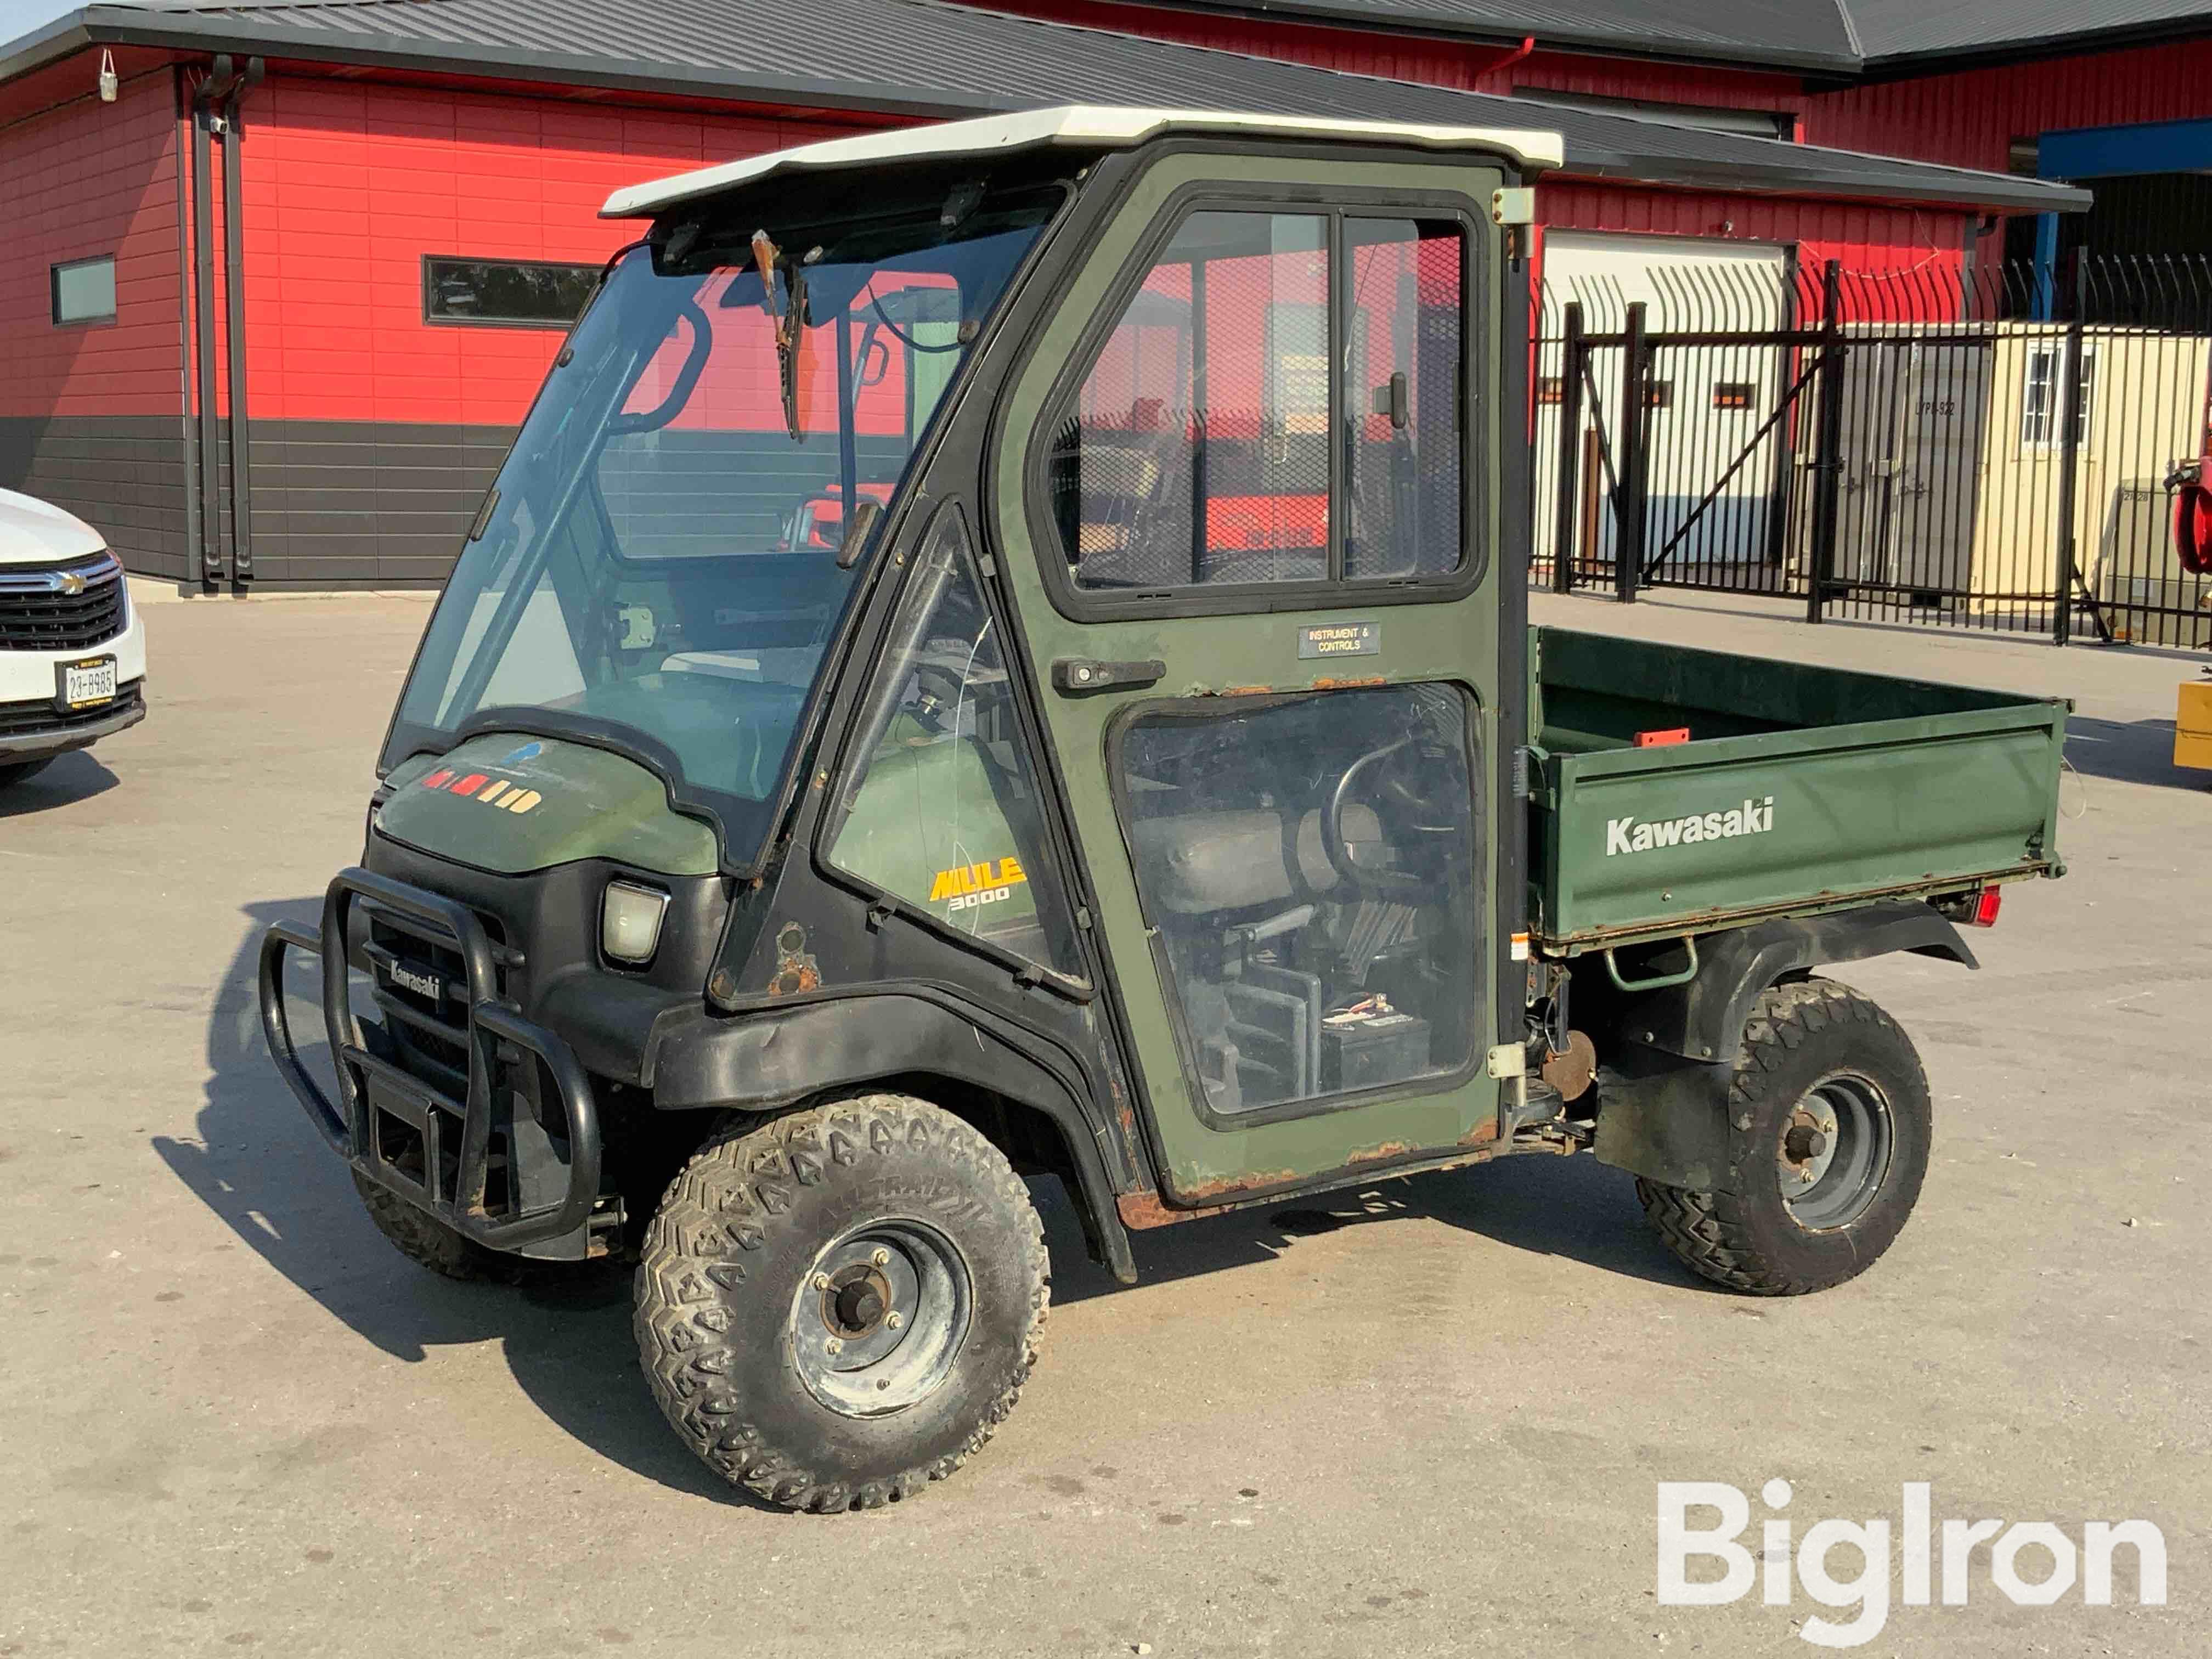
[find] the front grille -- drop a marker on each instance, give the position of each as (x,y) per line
(69,606)
(19,720)
(427,1037)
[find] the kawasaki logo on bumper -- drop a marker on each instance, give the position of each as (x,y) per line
(1753,817)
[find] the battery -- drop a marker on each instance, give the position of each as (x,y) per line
(1366,1050)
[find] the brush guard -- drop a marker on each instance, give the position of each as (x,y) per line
(462,1127)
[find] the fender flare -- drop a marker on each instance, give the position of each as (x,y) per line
(766,1058)
(1703,1020)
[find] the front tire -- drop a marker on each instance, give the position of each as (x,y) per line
(1829,1126)
(429,1243)
(837,1307)
(24,771)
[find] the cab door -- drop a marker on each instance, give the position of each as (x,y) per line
(1246,498)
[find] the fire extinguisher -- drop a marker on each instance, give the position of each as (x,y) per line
(2193,515)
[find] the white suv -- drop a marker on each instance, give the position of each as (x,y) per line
(72,649)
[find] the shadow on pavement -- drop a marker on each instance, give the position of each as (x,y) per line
(263,1168)
(2129,751)
(72,777)
(1575,1207)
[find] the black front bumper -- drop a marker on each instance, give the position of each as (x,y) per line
(523,1111)
(33,731)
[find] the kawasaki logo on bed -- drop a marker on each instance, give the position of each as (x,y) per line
(970,884)
(1753,817)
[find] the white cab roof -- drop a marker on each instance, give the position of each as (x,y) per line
(33,532)
(1088,126)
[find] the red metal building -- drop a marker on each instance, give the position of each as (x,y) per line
(281,279)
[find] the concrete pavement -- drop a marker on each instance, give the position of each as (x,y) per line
(232,1419)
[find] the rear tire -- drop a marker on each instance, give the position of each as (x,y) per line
(838,1307)
(1829,1126)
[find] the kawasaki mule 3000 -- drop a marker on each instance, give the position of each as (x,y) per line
(1001,650)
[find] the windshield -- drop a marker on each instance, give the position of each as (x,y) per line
(671,544)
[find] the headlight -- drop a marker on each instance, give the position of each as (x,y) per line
(629,922)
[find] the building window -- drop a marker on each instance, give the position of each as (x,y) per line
(1733,394)
(505,293)
(83,291)
(2043,395)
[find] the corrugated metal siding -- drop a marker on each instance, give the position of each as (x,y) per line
(90,412)
(376,433)
(86,179)
(1970,119)
(349,186)
(1865,239)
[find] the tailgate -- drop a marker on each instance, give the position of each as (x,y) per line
(1639,842)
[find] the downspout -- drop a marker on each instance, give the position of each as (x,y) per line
(187,417)
(203,283)
(1498,66)
(233,254)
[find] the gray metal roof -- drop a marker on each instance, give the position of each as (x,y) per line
(926,58)
(1845,38)
(1899,33)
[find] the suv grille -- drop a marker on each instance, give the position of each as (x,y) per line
(61,607)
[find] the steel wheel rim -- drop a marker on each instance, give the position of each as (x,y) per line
(1834,1152)
(879,1318)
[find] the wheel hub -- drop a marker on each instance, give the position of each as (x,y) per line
(1834,1152)
(880,1316)
(856,1301)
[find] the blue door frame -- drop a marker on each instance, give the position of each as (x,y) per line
(2079,154)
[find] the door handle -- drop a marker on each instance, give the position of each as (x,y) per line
(1079,677)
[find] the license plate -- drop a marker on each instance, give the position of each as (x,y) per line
(89,683)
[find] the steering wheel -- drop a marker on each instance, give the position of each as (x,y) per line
(1395,782)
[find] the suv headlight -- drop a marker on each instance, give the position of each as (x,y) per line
(629,922)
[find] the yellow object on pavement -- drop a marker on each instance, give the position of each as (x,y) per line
(2192,727)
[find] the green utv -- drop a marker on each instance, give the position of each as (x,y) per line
(1000,649)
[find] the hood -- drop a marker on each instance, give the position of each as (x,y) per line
(33,532)
(511,804)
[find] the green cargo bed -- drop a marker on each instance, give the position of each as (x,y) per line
(1800,789)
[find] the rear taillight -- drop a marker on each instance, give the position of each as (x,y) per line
(1986,905)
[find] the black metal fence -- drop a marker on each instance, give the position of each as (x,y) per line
(1993,450)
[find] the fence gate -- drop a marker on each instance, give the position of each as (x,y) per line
(1915,447)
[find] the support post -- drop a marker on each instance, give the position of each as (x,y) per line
(2070,471)
(1574,364)
(1629,504)
(1828,459)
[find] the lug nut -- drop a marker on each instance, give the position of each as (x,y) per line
(821,1282)
(893,1320)
(833,1346)
(881,1258)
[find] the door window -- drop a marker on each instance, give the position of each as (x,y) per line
(940,806)
(1308,866)
(1279,401)
(1403,364)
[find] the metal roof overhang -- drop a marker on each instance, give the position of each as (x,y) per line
(950,62)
